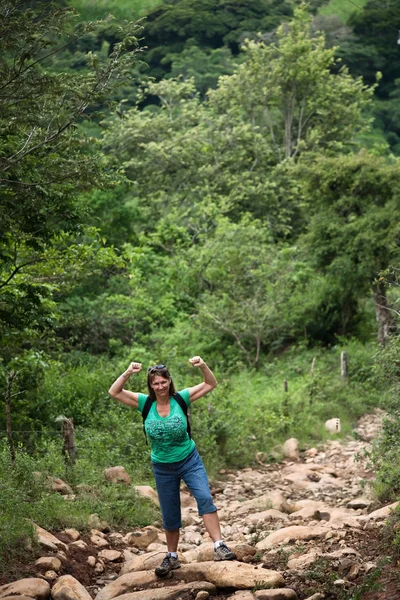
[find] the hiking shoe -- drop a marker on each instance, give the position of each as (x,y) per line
(223,553)
(168,564)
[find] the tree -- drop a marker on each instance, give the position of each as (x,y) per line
(289,92)
(353,233)
(45,162)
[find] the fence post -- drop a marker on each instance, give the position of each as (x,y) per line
(68,434)
(285,385)
(314,360)
(7,397)
(343,366)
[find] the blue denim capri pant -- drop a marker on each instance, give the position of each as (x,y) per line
(168,477)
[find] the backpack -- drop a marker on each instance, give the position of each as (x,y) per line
(180,401)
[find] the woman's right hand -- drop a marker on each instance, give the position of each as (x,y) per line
(134,367)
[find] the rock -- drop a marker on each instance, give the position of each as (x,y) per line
(145,491)
(230,574)
(73,534)
(49,541)
(205,552)
(33,587)
(333,425)
(117,475)
(46,563)
(317,596)
(221,574)
(141,538)
(98,541)
(176,592)
(110,555)
(267,515)
(381,513)
(91,561)
(359,503)
(302,562)
(291,449)
(146,562)
(79,544)
(277,594)
(286,534)
(59,486)
(69,588)
(203,595)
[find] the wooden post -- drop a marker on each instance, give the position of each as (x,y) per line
(343,366)
(314,360)
(7,397)
(285,385)
(68,434)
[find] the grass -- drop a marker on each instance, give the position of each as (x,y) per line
(342,8)
(27,498)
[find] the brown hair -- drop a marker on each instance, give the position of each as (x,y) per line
(159,372)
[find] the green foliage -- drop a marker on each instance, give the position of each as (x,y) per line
(45,161)
(342,8)
(210,24)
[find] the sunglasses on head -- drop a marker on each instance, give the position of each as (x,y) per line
(156,368)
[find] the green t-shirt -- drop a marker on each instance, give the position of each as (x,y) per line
(168,435)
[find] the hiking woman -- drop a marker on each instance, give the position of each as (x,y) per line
(173,453)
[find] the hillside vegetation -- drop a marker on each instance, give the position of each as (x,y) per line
(226,186)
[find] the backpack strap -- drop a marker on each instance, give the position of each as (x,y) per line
(184,408)
(145,412)
(179,400)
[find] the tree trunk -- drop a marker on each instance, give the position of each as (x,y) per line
(384,316)
(7,398)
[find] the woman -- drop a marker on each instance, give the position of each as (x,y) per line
(173,454)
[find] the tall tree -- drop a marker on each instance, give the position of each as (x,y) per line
(45,162)
(354,230)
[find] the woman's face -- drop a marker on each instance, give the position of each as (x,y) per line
(160,385)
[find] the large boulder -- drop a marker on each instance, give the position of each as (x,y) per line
(176,592)
(48,541)
(33,587)
(291,449)
(288,534)
(221,574)
(146,562)
(69,588)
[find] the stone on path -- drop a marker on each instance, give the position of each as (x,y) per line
(230,574)
(146,562)
(291,449)
(31,586)
(222,574)
(281,594)
(172,592)
(287,534)
(48,563)
(69,588)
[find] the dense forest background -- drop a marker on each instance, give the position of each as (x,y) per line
(196,177)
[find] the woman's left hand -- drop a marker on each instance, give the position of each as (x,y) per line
(196,361)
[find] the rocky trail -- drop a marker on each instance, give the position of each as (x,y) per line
(305,529)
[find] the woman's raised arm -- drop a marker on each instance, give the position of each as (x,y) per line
(209,383)
(117,390)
